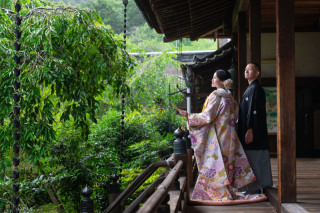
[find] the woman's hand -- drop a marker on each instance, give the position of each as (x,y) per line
(183,113)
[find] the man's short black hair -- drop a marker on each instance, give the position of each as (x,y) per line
(256,65)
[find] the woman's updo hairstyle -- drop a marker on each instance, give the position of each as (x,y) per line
(223,75)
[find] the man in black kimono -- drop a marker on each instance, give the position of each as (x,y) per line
(252,130)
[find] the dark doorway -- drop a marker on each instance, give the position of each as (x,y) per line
(308,122)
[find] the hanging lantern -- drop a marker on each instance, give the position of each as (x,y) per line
(234,76)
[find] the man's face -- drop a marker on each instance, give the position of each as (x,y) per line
(251,73)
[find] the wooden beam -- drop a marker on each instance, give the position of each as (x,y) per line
(268,61)
(254,31)
(240,6)
(212,32)
(242,54)
(272,195)
(286,118)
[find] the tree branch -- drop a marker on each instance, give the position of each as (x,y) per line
(57,11)
(7,11)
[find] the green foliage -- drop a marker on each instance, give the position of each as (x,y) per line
(141,38)
(144,39)
(69,2)
(202,44)
(72,73)
(129,175)
(68,58)
(149,84)
(146,131)
(109,11)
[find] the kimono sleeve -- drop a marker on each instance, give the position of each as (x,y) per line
(207,116)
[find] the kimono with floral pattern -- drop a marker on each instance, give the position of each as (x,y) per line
(221,161)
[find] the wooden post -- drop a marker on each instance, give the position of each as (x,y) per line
(164,207)
(189,173)
(286,118)
(114,192)
(254,31)
(235,63)
(189,165)
(242,54)
(183,158)
(87,203)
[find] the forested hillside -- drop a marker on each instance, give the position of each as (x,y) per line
(140,37)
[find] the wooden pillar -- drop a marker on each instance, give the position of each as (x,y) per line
(286,118)
(254,31)
(189,173)
(235,64)
(242,54)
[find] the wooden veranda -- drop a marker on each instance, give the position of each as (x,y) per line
(172,190)
(308,192)
(293,62)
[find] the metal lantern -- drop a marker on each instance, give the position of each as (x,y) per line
(179,145)
(234,76)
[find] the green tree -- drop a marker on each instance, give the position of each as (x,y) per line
(110,12)
(144,39)
(150,83)
(68,58)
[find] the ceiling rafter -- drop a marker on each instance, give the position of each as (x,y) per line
(196,19)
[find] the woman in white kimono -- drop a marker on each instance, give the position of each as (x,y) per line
(221,161)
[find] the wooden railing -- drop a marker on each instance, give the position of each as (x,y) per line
(169,193)
(137,183)
(160,197)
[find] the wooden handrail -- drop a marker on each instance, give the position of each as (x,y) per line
(156,199)
(133,206)
(137,183)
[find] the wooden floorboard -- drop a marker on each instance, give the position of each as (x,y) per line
(308,182)
(263,207)
(308,191)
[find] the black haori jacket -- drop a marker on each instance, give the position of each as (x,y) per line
(252,114)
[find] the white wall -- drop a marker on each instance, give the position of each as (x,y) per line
(307,54)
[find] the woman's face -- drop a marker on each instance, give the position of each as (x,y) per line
(216,82)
